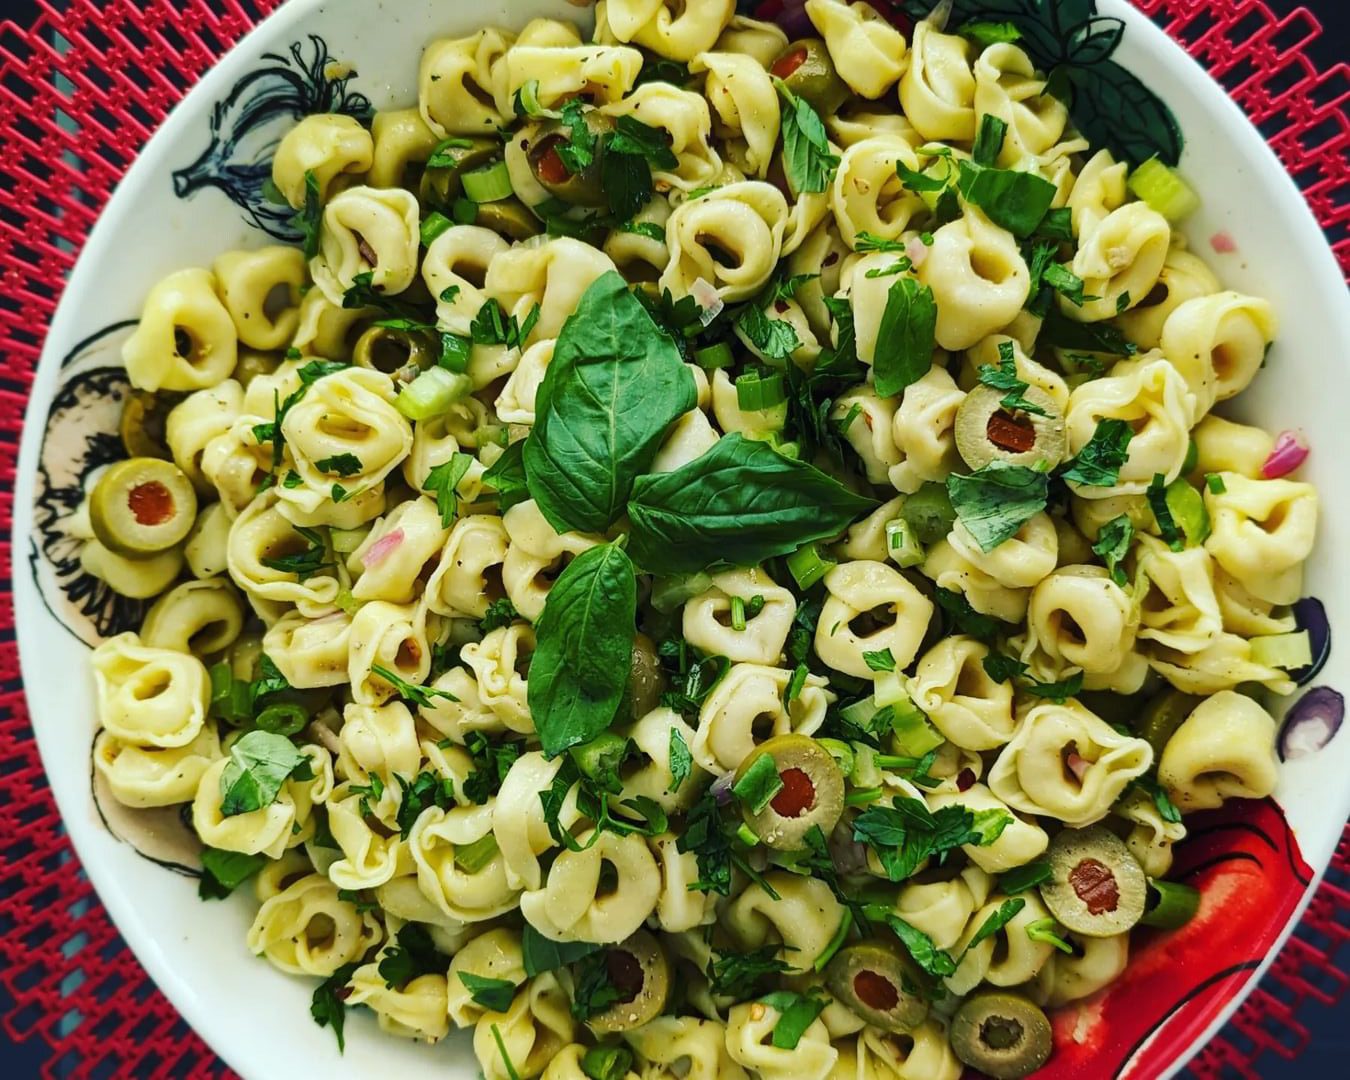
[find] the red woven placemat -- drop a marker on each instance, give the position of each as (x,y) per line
(80,93)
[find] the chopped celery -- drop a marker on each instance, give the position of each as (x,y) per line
(345,541)
(1288,651)
(432,393)
(841,752)
(913,734)
(889,689)
(1164,190)
(902,546)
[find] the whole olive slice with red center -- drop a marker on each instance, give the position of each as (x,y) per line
(812,792)
(1004,1036)
(640,972)
(808,71)
(1097,888)
(583,188)
(987,430)
(877,984)
(142,506)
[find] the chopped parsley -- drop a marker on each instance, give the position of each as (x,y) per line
(1113,544)
(996,500)
(906,833)
(1004,377)
(1098,464)
(495,995)
(443,480)
(807,158)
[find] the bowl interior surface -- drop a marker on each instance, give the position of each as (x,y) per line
(168,214)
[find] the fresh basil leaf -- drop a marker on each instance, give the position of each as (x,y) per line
(965,619)
(495,995)
(328,1005)
(775,339)
(1003,668)
(906,338)
(740,503)
(225,871)
(1024,877)
(681,760)
(989,140)
(807,158)
(506,476)
(540,954)
(443,480)
(260,763)
(1098,463)
(996,500)
(579,670)
(1113,544)
(1056,225)
(796,1013)
(1006,912)
(919,182)
(578,152)
(761,782)
(611,392)
(1060,691)
(1012,200)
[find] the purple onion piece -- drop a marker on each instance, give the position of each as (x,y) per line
(721,788)
(1312,617)
(793,20)
(1311,723)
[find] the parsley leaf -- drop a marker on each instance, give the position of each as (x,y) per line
(342,464)
(499,613)
(260,763)
(865,243)
(426,789)
(328,1007)
(443,480)
(681,760)
(540,954)
(1005,377)
(491,764)
(592,989)
(996,500)
(796,1013)
(1024,877)
(309,220)
(413,955)
(882,660)
(492,326)
(495,995)
(775,339)
(506,476)
(1098,463)
(1012,200)
(418,695)
(937,962)
(905,833)
(578,152)
(225,871)
(735,975)
(1113,544)
(964,618)
(1003,668)
(807,158)
(303,564)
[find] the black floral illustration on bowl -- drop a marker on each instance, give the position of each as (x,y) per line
(249,122)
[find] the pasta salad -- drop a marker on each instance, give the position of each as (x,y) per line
(715,557)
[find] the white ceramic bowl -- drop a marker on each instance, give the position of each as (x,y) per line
(177,207)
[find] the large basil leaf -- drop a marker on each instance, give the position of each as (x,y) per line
(584,642)
(740,503)
(615,385)
(906,338)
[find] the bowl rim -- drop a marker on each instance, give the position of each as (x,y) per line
(177,984)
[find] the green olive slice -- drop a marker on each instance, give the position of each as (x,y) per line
(808,71)
(639,970)
(1163,715)
(1096,888)
(142,506)
(510,218)
(646,681)
(142,425)
(1004,1036)
(252,363)
(385,349)
(812,792)
(879,985)
(584,188)
(986,431)
(443,183)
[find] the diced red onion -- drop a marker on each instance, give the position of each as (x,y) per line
(1223,243)
(1291,451)
(917,251)
(1078,765)
(385,546)
(1312,617)
(794,21)
(705,293)
(1311,723)
(965,779)
(721,788)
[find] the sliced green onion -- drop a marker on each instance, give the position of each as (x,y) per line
(464,211)
(1192,456)
(712,357)
(1288,651)
(807,566)
(737,613)
(455,353)
(471,858)
(1175,906)
(1164,190)
(1188,511)
(755,393)
(841,752)
(345,541)
(902,546)
(432,393)
(284,718)
(889,689)
(862,796)
(914,735)
(747,835)
(433,225)
(1215,483)
(528,99)
(1047,931)
(671,592)
(836,942)
(492,183)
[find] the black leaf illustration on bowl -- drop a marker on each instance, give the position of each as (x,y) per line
(1068,39)
(80,437)
(249,122)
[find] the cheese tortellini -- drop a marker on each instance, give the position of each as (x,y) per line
(683,539)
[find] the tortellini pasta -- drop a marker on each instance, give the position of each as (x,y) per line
(945,565)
